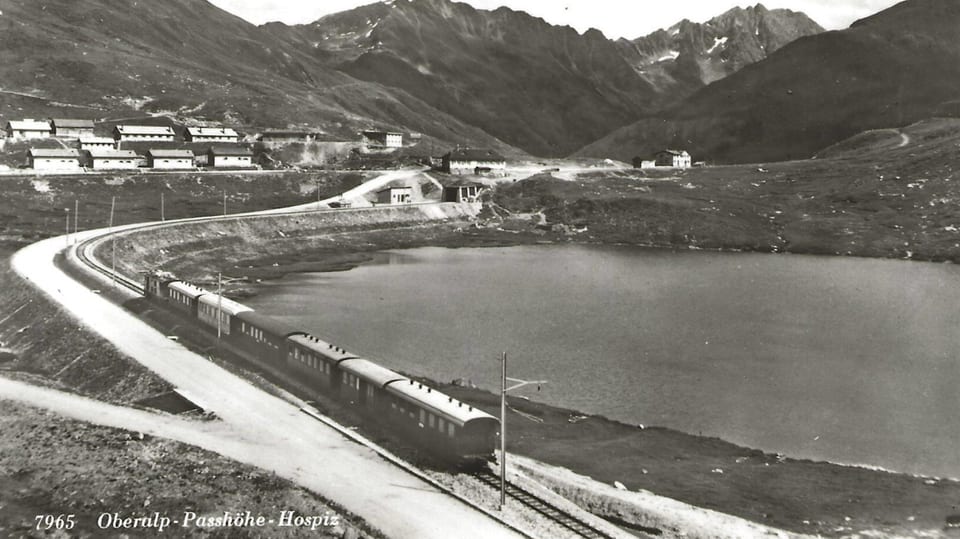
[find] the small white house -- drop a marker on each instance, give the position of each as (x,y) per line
(71,127)
(107,159)
(382,139)
(673,158)
(59,159)
(211,134)
(474,161)
(395,195)
(28,129)
(230,157)
(170,159)
(144,133)
(461,191)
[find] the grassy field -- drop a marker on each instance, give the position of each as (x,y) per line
(891,193)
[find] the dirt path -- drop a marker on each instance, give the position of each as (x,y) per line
(264,430)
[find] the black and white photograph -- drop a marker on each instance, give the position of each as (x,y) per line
(480,269)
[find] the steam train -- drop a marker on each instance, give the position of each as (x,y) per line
(416,412)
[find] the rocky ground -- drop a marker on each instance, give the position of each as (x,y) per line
(70,467)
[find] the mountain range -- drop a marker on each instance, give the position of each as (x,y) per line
(894,68)
(749,85)
(687,56)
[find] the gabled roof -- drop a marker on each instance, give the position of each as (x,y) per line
(170,154)
(673,152)
(71,122)
(145,130)
(231,150)
(107,153)
(471,154)
(212,132)
(373,133)
(29,125)
(54,152)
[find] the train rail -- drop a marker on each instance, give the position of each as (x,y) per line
(85,248)
(545,508)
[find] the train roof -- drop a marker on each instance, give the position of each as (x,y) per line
(227,305)
(321,347)
(269,324)
(370,371)
(443,405)
(187,289)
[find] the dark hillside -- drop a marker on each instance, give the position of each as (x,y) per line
(546,89)
(889,70)
(189,59)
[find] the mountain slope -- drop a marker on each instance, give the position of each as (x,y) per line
(546,89)
(888,70)
(688,55)
(189,58)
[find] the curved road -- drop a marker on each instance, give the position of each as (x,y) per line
(259,429)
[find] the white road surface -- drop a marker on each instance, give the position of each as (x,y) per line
(257,428)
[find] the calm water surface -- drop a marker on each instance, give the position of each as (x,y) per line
(843,359)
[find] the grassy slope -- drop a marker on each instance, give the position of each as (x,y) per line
(871,197)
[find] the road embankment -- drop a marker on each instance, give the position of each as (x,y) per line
(266,246)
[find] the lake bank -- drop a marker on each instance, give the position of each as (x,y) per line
(798,484)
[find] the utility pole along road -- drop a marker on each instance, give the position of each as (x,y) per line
(264,430)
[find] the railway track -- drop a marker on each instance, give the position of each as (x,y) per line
(543,507)
(84,249)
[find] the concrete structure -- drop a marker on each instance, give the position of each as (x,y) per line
(280,137)
(395,195)
(211,134)
(170,159)
(639,162)
(141,133)
(382,139)
(673,158)
(58,159)
(108,159)
(474,161)
(461,191)
(230,157)
(89,143)
(28,129)
(71,128)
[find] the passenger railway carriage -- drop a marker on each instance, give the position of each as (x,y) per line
(184,296)
(417,412)
(264,333)
(208,307)
(317,360)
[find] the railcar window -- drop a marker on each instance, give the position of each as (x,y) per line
(423,418)
(452,430)
(431,420)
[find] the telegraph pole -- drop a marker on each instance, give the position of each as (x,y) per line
(67,210)
(219,304)
(503,430)
(162,216)
(76,217)
(113,243)
(224,202)
(503,420)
